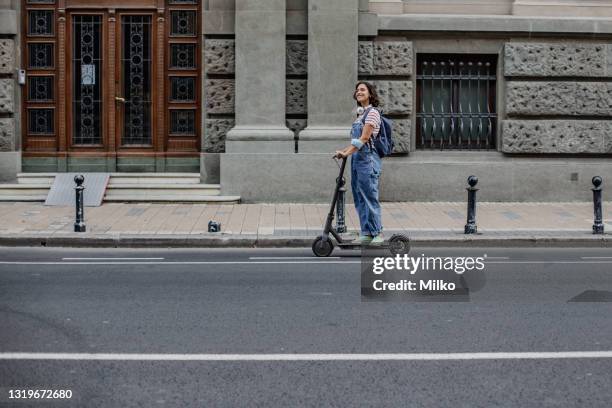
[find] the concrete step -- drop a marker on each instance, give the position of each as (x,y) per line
(125,187)
(26,190)
(188,198)
(120,178)
(137,191)
(20,198)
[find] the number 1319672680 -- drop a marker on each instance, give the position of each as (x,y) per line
(39,394)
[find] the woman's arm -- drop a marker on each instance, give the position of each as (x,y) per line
(366,134)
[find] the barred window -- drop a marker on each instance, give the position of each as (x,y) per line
(456,106)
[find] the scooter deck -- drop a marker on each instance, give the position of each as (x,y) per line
(350,245)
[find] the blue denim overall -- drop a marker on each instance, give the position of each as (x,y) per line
(365,172)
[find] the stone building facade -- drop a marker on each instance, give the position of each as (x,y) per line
(516,92)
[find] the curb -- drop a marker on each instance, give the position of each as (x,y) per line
(253,241)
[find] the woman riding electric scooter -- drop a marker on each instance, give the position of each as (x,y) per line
(366,164)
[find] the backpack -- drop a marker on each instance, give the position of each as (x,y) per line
(383,143)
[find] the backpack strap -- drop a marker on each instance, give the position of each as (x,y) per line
(365,115)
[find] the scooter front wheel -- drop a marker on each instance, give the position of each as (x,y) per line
(322,247)
(399,244)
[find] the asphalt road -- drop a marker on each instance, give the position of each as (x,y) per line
(208,328)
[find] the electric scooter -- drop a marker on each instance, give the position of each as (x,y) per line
(324,245)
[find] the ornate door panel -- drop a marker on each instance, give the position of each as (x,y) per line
(135,93)
(86,85)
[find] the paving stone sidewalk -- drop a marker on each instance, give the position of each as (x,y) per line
(291,224)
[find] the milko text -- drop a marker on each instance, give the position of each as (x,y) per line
(437,285)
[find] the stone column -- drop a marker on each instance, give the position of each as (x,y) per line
(260,79)
(332,74)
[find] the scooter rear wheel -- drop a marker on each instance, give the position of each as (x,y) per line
(399,244)
(322,247)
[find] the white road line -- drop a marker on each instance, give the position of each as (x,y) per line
(596,257)
(178,263)
(549,262)
(497,257)
(113,259)
(289,257)
(310,357)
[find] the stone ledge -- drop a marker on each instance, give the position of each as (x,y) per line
(557,136)
(492,23)
(224,22)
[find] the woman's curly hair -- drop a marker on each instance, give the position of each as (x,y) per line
(371,90)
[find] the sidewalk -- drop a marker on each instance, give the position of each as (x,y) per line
(296,225)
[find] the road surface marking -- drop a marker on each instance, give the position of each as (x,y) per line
(177,263)
(549,262)
(596,257)
(309,357)
(289,257)
(113,259)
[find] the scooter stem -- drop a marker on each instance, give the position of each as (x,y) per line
(330,215)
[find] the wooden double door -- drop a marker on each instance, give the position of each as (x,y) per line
(111,88)
(127,80)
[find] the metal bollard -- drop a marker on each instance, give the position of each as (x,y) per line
(598,227)
(79,225)
(470,227)
(340,206)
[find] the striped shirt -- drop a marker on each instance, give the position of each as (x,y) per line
(373,119)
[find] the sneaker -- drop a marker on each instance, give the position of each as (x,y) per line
(363,240)
(377,241)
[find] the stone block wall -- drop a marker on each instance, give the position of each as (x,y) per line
(297,84)
(7,95)
(388,65)
(219,92)
(558,98)
(219,89)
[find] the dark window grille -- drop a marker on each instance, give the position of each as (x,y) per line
(40,88)
(40,55)
(136,65)
(40,22)
(182,56)
(87,89)
(182,89)
(182,122)
(40,122)
(456,106)
(183,23)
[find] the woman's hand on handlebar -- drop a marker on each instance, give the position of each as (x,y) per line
(340,154)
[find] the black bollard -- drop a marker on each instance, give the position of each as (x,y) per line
(79,225)
(470,227)
(340,206)
(598,227)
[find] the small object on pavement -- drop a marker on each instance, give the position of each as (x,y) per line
(214,226)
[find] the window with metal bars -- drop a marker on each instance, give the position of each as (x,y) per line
(456,106)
